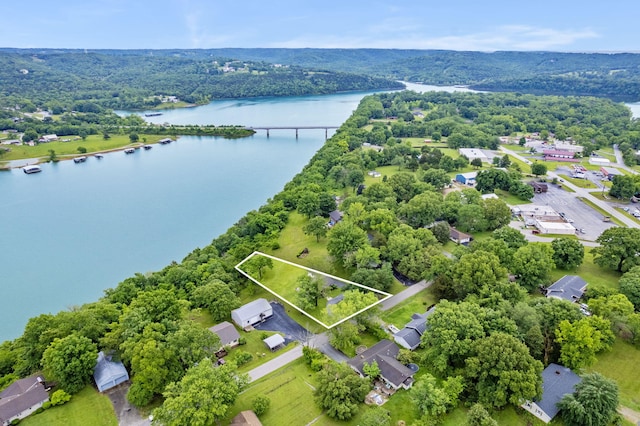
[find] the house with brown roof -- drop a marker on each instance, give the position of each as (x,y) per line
(392,372)
(459,237)
(22,398)
(246,418)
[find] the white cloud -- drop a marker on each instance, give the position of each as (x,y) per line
(507,37)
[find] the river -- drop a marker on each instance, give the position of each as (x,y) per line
(76,229)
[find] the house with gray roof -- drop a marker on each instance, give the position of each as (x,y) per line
(557,381)
(22,398)
(227,333)
(569,287)
(409,337)
(252,313)
(108,373)
(392,371)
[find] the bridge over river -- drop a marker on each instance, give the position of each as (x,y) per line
(296,128)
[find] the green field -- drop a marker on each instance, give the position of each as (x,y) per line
(88,407)
(283,278)
(93,143)
(621,364)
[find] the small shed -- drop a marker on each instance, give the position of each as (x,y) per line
(252,313)
(539,187)
(274,342)
(109,374)
(335,217)
(468,178)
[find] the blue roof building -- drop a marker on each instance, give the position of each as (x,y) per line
(109,374)
(557,381)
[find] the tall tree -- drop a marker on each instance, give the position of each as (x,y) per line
(344,238)
(593,403)
(496,212)
(317,226)
(503,371)
(619,248)
(630,286)
(309,291)
(70,361)
(217,298)
(538,169)
(568,253)
(532,264)
(475,270)
(512,237)
(340,391)
(257,265)
(580,341)
(204,396)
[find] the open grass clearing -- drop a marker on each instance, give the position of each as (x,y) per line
(621,364)
(510,199)
(593,274)
(282,281)
(93,143)
(400,314)
(87,407)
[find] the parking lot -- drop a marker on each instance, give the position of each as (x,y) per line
(583,216)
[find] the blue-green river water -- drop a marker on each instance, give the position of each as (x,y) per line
(74,230)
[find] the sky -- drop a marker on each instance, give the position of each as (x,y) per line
(490,25)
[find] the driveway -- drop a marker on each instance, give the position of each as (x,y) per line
(128,415)
(283,323)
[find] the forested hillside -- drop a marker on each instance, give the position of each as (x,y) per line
(63,80)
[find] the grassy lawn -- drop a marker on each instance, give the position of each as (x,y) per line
(511,200)
(621,364)
(581,183)
(93,143)
(593,274)
(400,314)
(88,407)
(283,278)
(291,393)
(387,171)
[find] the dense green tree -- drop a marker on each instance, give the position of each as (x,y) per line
(503,371)
(381,220)
(615,307)
(475,270)
(581,340)
(630,286)
(133,137)
(496,212)
(217,298)
(538,169)
(453,328)
(624,187)
(512,237)
(476,163)
(309,291)
(317,226)
(594,402)
(430,399)
(257,265)
(568,253)
(471,218)
(441,231)
(532,264)
(436,177)
(309,204)
(260,404)
(619,248)
(379,278)
(479,416)
(550,313)
(191,343)
(340,391)
(70,361)
(421,210)
(344,238)
(203,396)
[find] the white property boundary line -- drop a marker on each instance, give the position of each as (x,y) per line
(237,267)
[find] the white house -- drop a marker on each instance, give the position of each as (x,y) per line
(252,313)
(22,398)
(557,381)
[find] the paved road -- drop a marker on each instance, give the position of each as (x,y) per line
(620,160)
(321,341)
(581,192)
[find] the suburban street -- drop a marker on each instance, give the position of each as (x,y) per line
(321,341)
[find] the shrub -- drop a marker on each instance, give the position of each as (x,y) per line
(59,397)
(260,404)
(242,340)
(242,357)
(47,405)
(39,410)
